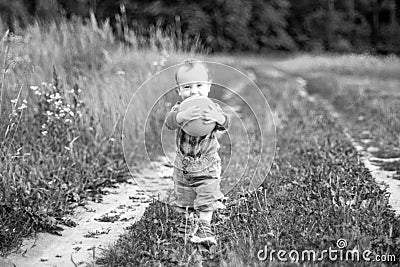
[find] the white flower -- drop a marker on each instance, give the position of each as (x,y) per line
(68,121)
(44,126)
(23,106)
(121,73)
(14,101)
(71,113)
(44,133)
(34,87)
(49,113)
(38,93)
(163,60)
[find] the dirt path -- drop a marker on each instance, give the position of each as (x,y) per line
(99,224)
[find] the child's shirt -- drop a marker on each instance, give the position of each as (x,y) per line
(195,146)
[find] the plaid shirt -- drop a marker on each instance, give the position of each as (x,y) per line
(195,146)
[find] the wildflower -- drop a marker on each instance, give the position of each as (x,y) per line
(56,96)
(49,113)
(24,101)
(38,93)
(71,113)
(44,126)
(34,87)
(14,101)
(68,121)
(121,73)
(163,60)
(165,53)
(23,106)
(44,133)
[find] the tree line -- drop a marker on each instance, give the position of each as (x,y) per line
(238,25)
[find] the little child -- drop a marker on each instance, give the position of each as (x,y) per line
(197,167)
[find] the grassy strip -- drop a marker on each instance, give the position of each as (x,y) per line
(316,193)
(362,88)
(371,107)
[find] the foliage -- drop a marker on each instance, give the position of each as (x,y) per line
(239,25)
(59,142)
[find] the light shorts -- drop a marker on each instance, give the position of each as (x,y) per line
(197,182)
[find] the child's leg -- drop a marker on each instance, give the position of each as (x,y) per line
(205,215)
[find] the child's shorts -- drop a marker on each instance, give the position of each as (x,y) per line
(197,182)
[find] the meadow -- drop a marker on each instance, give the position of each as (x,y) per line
(316,193)
(64,91)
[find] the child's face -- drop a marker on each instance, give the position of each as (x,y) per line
(193,81)
(194,89)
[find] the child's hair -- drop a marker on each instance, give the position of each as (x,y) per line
(189,64)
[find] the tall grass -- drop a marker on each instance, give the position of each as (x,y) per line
(64,88)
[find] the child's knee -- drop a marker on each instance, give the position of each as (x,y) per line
(182,209)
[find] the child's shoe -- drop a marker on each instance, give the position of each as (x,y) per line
(188,225)
(204,234)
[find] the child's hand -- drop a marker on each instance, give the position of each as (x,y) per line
(188,114)
(213,115)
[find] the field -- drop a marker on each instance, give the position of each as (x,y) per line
(64,92)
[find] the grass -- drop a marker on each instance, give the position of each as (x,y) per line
(64,90)
(343,64)
(316,193)
(364,91)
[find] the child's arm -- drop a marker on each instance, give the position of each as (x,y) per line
(225,124)
(215,114)
(170,121)
(176,118)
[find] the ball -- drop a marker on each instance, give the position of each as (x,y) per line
(197,127)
